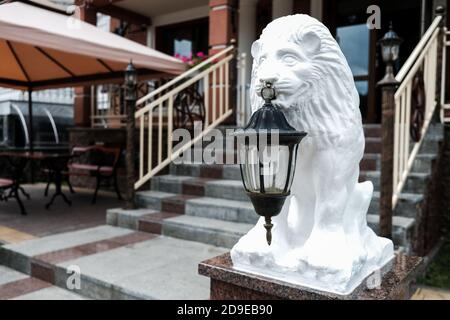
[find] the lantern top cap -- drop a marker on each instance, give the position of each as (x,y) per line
(270,118)
(390,37)
(130,67)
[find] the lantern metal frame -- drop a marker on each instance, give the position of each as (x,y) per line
(390,40)
(270,120)
(130,82)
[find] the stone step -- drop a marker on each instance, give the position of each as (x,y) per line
(373,145)
(424,163)
(370,162)
(408,205)
(232,172)
(431,145)
(402,229)
(216,188)
(116,263)
(372,130)
(222,233)
(16,285)
(241,210)
(188,227)
(416,182)
(207,207)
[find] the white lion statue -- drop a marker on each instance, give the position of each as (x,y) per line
(320,238)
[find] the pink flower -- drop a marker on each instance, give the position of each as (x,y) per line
(200,54)
(177,55)
(184,59)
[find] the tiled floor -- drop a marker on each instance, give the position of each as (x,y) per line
(60,218)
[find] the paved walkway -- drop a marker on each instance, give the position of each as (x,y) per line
(43,248)
(18,286)
(115,263)
(60,218)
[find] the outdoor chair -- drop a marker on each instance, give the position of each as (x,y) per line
(99,162)
(5,186)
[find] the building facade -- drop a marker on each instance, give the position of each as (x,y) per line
(187,27)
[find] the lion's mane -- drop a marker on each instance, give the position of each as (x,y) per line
(331,108)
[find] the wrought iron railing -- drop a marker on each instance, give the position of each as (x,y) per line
(415,104)
(201,93)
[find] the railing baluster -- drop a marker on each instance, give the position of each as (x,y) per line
(227,86)
(407,125)
(206,102)
(150,137)
(221,90)
(141,148)
(402,135)
(214,93)
(160,132)
(169,127)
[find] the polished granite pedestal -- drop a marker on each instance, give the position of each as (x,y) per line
(229,284)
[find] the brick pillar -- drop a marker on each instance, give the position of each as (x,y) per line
(388,87)
(223,31)
(223,24)
(82,102)
(387,158)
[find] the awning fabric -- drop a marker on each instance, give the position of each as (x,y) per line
(42,49)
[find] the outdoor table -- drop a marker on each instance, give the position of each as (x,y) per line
(56,162)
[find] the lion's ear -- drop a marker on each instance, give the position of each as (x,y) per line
(255,48)
(311,43)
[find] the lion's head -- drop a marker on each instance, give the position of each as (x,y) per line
(311,76)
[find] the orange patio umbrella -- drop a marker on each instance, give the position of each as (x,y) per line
(41,48)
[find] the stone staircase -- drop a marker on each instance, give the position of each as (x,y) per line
(207,203)
(198,210)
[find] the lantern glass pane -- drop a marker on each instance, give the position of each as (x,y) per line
(292,164)
(386,53)
(249,158)
(275,164)
(395,52)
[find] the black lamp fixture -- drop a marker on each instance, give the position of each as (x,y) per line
(390,49)
(268,180)
(130,82)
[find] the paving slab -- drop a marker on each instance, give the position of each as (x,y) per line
(8,275)
(115,263)
(50,293)
(15,285)
(66,240)
(161,268)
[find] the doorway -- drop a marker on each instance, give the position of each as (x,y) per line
(347,19)
(183,38)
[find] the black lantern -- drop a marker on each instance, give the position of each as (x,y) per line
(268,178)
(130,82)
(390,49)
